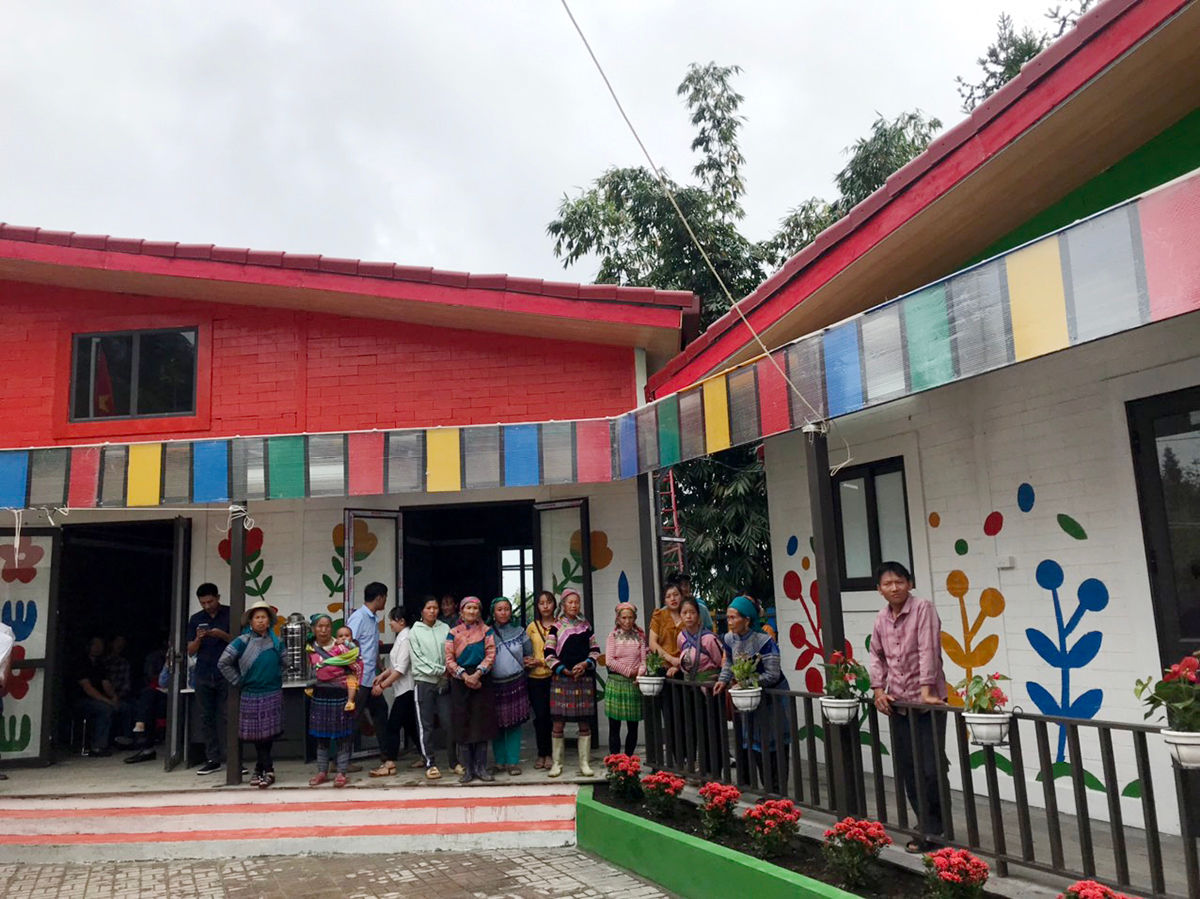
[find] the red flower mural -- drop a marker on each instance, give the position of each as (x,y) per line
(812,648)
(254,544)
(18,563)
(18,681)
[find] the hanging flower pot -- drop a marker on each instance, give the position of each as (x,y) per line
(746,700)
(839,711)
(988,728)
(650,685)
(1184,746)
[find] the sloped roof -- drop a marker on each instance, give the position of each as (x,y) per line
(1017,184)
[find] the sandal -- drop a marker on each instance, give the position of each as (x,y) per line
(268,778)
(432,773)
(340,780)
(514,770)
(916,846)
(386,769)
(317,779)
(418,763)
(256,779)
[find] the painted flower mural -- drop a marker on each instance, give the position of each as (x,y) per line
(17,736)
(254,561)
(21,616)
(572,563)
(364,542)
(19,680)
(19,562)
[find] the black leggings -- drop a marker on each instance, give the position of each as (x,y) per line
(614,736)
(262,756)
(539,699)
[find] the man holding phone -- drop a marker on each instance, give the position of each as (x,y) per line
(207,636)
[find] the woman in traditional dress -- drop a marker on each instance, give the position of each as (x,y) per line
(508,685)
(539,674)
(470,656)
(625,658)
(328,719)
(700,659)
(765,730)
(255,662)
(572,654)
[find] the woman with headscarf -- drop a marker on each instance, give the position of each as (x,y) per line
(625,658)
(765,730)
(572,654)
(255,662)
(470,656)
(700,659)
(508,685)
(328,719)
(546,607)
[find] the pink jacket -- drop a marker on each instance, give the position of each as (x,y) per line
(625,656)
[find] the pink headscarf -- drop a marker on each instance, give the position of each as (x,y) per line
(466,599)
(621,607)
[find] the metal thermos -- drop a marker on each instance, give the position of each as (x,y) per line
(295,635)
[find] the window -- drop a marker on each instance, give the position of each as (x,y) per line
(871,508)
(516,580)
(133,374)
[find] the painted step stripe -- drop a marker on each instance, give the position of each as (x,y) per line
(255,808)
(282,833)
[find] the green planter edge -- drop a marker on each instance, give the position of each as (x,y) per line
(684,864)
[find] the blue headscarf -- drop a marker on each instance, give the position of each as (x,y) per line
(745,607)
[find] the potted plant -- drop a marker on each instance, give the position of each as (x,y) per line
(651,683)
(983,708)
(1178,694)
(846,685)
(745,692)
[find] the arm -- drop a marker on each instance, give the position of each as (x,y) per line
(929,654)
(452,667)
(92,693)
(610,653)
(227,664)
(771,663)
(877,666)
(726,674)
(193,640)
(489,654)
(550,651)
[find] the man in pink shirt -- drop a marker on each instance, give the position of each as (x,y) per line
(906,666)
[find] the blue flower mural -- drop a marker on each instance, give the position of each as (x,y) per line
(22,619)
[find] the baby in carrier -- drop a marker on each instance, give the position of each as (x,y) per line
(342,664)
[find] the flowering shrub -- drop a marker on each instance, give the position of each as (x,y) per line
(955,874)
(846,678)
(982,694)
(850,845)
(1178,694)
(624,773)
(770,825)
(720,802)
(660,790)
(1089,889)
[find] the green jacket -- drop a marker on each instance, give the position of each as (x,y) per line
(428,647)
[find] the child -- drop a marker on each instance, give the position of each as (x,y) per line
(344,662)
(255,661)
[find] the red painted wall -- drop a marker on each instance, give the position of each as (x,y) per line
(271,371)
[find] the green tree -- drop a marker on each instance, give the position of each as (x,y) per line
(626,223)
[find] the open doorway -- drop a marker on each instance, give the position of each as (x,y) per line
(115,580)
(485,550)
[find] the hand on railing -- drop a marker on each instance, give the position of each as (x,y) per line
(883,702)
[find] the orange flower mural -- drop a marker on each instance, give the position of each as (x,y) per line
(969,655)
(364,544)
(572,566)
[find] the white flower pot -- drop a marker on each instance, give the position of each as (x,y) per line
(1184,746)
(988,728)
(839,711)
(746,700)
(650,685)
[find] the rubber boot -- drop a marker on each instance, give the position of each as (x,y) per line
(585,749)
(557,749)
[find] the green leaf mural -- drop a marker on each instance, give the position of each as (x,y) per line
(12,740)
(1072,527)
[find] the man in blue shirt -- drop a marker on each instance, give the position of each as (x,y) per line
(207,635)
(365,628)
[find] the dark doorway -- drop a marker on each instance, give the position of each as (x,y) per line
(114,579)
(1165,431)
(463,550)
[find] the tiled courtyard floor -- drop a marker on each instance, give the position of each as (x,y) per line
(554,873)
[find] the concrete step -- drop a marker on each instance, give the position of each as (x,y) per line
(284,821)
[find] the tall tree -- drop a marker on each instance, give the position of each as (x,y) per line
(625,221)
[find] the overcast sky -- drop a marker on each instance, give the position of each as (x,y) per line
(435,133)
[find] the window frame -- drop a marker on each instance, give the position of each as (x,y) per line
(135,358)
(527,584)
(869,471)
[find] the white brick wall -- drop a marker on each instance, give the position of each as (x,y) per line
(1059,424)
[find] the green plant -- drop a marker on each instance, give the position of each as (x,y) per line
(720,802)
(771,824)
(660,790)
(846,678)
(745,672)
(982,695)
(851,845)
(1178,694)
(954,874)
(655,665)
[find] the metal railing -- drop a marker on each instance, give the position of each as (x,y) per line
(786,748)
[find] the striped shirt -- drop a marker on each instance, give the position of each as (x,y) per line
(906,651)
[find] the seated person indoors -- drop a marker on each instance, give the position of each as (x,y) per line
(97,699)
(151,705)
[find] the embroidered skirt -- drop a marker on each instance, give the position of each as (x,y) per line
(327,717)
(512,702)
(622,698)
(261,716)
(472,712)
(573,699)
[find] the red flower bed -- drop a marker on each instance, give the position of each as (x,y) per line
(1089,889)
(955,874)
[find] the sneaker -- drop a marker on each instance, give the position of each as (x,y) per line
(210,768)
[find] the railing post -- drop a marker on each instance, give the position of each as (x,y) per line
(237,609)
(1187,786)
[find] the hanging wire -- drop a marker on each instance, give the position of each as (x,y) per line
(816,420)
